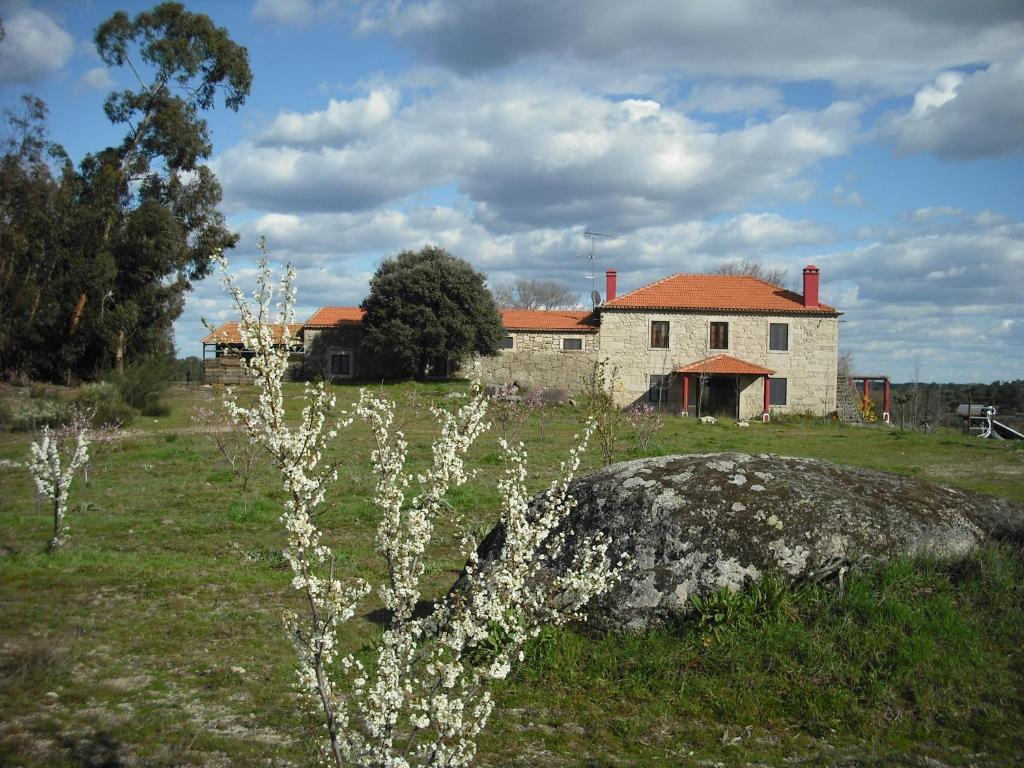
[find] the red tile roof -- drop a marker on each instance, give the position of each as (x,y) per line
(716,292)
(548,320)
(227,333)
(328,317)
(724,364)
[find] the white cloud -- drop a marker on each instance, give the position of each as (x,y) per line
(965,116)
(846,198)
(35,46)
(292,12)
(945,293)
(532,155)
(340,124)
(894,46)
(724,97)
(98,78)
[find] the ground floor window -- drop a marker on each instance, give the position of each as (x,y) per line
(437,368)
(777,393)
(341,363)
(657,392)
(572,345)
(507,342)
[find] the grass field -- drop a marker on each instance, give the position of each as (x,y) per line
(154,637)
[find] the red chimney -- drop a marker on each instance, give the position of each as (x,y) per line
(811,278)
(609,284)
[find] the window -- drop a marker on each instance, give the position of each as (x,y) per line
(572,345)
(658,390)
(719,336)
(777,392)
(341,364)
(778,337)
(507,342)
(437,367)
(659,334)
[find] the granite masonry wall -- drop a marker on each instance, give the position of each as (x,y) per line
(809,365)
(537,359)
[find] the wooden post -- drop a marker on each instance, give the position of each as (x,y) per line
(885,401)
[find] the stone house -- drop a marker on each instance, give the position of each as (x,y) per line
(687,344)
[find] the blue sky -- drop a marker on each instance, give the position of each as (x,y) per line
(883,142)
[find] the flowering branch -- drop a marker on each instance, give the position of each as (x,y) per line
(424,702)
(45,464)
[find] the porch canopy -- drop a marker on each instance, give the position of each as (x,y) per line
(727,365)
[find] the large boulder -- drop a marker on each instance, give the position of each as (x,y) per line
(698,523)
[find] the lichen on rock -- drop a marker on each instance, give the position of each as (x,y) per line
(690,528)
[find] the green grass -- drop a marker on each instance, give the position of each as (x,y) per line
(122,646)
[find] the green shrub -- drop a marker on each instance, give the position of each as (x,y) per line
(105,398)
(24,414)
(144,383)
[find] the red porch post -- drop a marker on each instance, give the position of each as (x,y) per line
(885,402)
(766,414)
(867,389)
(686,395)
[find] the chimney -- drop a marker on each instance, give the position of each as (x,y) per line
(609,284)
(811,277)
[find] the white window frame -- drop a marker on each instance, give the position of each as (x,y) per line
(351,363)
(769,339)
(572,338)
(728,333)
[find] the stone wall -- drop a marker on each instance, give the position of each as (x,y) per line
(538,360)
(227,369)
(319,343)
(809,366)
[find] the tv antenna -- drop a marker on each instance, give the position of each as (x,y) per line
(593,274)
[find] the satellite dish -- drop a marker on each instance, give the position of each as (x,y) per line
(595,297)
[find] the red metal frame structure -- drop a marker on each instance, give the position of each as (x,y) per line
(866,382)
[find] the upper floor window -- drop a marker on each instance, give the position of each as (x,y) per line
(507,343)
(719,336)
(572,345)
(659,334)
(778,337)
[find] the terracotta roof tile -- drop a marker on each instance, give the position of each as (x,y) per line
(548,320)
(227,333)
(724,364)
(328,317)
(715,292)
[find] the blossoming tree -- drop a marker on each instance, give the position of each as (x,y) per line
(53,470)
(425,699)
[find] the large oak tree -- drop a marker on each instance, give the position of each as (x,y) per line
(426,304)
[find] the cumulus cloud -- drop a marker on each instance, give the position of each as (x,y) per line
(98,78)
(293,12)
(532,155)
(341,123)
(35,46)
(938,293)
(724,97)
(888,45)
(965,116)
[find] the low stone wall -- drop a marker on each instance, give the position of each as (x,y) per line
(535,369)
(228,370)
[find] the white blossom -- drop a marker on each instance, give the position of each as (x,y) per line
(425,700)
(53,474)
